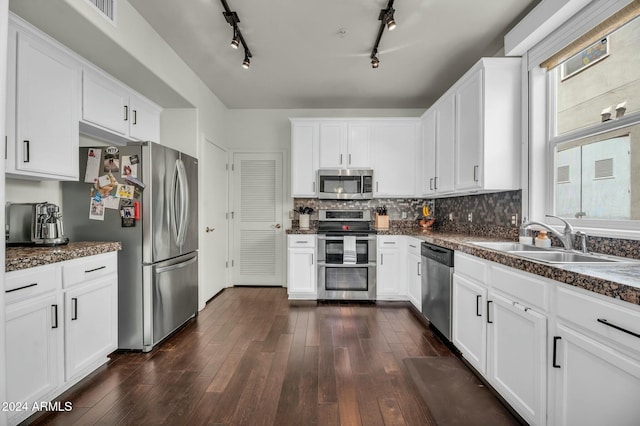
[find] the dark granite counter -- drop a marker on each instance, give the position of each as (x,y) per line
(17,258)
(621,281)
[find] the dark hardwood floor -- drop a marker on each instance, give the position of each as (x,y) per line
(252,357)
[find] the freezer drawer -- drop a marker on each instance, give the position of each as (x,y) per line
(174,297)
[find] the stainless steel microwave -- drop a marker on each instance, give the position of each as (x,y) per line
(339,184)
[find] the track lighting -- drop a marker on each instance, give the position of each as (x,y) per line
(233,20)
(386,20)
(391,23)
(234,41)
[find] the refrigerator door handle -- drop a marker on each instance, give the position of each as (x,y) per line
(182,264)
(172,204)
(184,202)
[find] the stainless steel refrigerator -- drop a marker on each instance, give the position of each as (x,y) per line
(158,263)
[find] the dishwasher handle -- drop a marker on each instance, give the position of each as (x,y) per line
(437,254)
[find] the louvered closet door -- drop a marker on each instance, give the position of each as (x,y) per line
(257,220)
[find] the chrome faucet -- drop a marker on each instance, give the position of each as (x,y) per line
(583,241)
(566,236)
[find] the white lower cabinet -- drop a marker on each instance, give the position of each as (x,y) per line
(91,319)
(469,328)
(390,277)
(414,272)
(516,355)
(59,327)
(503,336)
(301,267)
(595,368)
(34,350)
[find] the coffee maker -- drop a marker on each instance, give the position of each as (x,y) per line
(46,225)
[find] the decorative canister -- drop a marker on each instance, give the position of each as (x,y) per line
(304,221)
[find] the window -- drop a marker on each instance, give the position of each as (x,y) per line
(594,131)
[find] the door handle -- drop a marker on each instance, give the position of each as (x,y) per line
(207,229)
(74,308)
(276,226)
(555,347)
(54,313)
(489,302)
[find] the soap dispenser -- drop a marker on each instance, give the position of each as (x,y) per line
(542,240)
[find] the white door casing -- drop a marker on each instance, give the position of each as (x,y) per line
(4,9)
(257,207)
(215,199)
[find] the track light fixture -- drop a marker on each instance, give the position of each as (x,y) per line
(386,19)
(233,20)
(235,41)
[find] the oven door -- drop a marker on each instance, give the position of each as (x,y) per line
(346,282)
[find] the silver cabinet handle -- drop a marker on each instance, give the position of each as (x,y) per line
(126,112)
(88,271)
(475,173)
(431,184)
(314,186)
(435,183)
(25,154)
(54,315)
(381,259)
(341,159)
(349,159)
(376,186)
(418,268)
(312,258)
(135,117)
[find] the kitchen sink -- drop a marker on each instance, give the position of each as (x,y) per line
(563,257)
(507,246)
(551,256)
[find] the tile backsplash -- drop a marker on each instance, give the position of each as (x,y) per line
(411,207)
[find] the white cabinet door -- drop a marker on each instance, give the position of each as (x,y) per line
(428,168)
(445,145)
(91,319)
(516,356)
(304,158)
(469,328)
(332,142)
(301,276)
(394,151)
(414,289)
(47,84)
(144,120)
(359,145)
(34,348)
(469,132)
(390,280)
(105,102)
(594,384)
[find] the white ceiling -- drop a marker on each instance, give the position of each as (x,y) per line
(301,61)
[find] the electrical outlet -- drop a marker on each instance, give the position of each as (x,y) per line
(514,219)
(404,215)
(451,217)
(470,217)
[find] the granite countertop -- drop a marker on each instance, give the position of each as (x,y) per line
(620,281)
(17,258)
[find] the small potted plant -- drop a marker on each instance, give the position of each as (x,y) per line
(303,216)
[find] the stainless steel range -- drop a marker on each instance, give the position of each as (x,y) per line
(346,255)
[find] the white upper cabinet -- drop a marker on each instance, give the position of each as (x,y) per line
(488,126)
(395,149)
(43,87)
(304,157)
(428,168)
(114,112)
(345,144)
(445,145)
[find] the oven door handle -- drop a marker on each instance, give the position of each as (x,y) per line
(368,238)
(348,265)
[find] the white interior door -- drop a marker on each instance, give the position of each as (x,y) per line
(215,243)
(257,254)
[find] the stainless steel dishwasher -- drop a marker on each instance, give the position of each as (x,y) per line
(437,274)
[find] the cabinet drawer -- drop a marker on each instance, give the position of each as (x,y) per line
(413,246)
(589,312)
(471,266)
(530,289)
(302,241)
(389,241)
(87,268)
(31,282)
